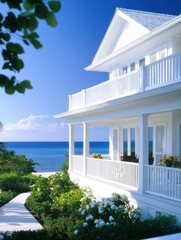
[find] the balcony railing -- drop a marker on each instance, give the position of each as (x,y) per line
(163,72)
(164,181)
(160,181)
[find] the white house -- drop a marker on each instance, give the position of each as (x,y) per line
(141,105)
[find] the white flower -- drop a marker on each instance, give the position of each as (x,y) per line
(76,232)
(111,219)
(83,212)
(113,207)
(96,221)
(92,204)
(100,210)
(89,217)
(85,224)
(80,210)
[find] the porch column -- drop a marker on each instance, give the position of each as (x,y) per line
(85,147)
(143,152)
(71,145)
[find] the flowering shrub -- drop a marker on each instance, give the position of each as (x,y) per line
(97,155)
(109,218)
(170,161)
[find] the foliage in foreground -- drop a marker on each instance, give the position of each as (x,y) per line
(18,27)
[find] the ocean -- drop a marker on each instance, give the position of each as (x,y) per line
(50,155)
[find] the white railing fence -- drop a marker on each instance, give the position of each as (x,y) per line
(121,172)
(164,181)
(163,72)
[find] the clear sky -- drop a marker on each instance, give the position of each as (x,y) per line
(57,70)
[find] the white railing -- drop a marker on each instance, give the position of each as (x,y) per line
(163,72)
(121,86)
(121,172)
(111,89)
(164,181)
(77,163)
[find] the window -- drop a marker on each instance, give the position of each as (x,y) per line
(132,66)
(150,144)
(142,62)
(125,142)
(125,69)
(132,141)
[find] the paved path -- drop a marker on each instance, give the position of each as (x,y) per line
(15,217)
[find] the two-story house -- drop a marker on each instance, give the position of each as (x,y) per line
(141,105)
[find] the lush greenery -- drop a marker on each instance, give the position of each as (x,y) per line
(71,213)
(11,162)
(18,27)
(15,174)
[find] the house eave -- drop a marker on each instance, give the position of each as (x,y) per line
(96,66)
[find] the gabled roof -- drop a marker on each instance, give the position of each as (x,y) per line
(126,27)
(149,20)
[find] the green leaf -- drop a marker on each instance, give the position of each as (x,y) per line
(26,84)
(9,89)
(33,23)
(19,88)
(51,20)
(5,36)
(41,10)
(27,6)
(7,66)
(15,47)
(54,5)
(36,43)
(3,79)
(17,64)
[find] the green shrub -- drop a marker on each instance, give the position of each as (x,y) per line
(157,226)
(110,218)
(6,197)
(13,182)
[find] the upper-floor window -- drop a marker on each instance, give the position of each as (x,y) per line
(125,69)
(142,62)
(132,66)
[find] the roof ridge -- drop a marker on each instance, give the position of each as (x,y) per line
(146,12)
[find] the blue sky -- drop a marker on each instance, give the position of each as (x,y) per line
(57,70)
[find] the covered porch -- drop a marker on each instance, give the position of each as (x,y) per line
(136,145)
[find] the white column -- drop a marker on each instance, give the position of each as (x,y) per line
(143,152)
(85,147)
(71,146)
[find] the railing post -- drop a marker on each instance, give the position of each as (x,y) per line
(85,147)
(143,78)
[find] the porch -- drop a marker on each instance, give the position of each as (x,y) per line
(164,72)
(160,181)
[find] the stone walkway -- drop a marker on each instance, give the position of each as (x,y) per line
(15,217)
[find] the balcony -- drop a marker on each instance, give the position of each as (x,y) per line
(158,74)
